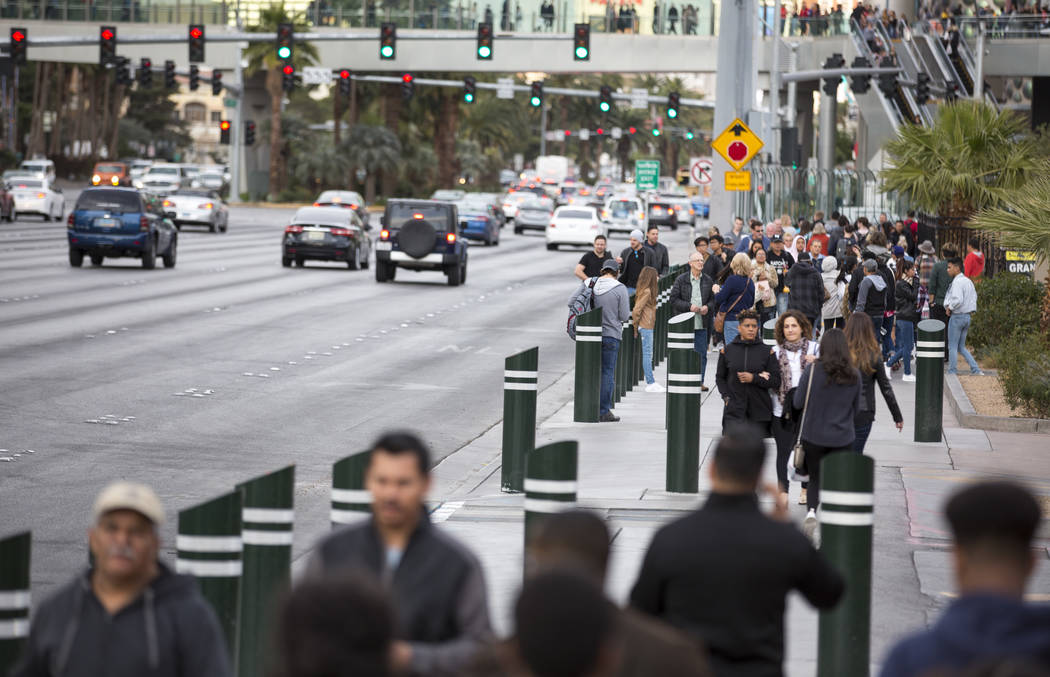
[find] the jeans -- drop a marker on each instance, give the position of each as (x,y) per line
(731,330)
(958,328)
(647,354)
(939,313)
(905,344)
(862,431)
(887,337)
(610,347)
(630,290)
(782,303)
(700,346)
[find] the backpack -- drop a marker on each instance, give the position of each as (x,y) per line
(580,303)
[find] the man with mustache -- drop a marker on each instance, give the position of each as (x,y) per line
(436,585)
(129,615)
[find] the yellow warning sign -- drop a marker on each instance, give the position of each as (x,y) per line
(737,144)
(738,180)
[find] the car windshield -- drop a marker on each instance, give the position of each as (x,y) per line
(210,175)
(574,214)
(27,183)
(339,197)
(192,193)
(568,190)
(108,201)
(400,213)
(536,205)
(109,169)
(34,168)
(169,171)
(622,207)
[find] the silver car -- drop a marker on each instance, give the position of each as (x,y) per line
(197,207)
(534,214)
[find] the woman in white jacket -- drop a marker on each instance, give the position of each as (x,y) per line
(832,310)
(793,352)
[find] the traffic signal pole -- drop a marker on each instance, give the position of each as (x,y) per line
(237,140)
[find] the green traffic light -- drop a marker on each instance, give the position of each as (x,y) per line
(535,101)
(484,52)
(581,52)
(284,52)
(656,132)
(689,136)
(469,98)
(604,106)
(386,51)
(672,113)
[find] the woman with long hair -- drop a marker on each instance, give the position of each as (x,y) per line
(794,351)
(766,284)
(736,295)
(644,319)
(828,421)
(866,357)
(906,294)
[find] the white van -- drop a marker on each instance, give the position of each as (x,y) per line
(44,168)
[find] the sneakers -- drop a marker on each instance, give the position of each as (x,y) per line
(978,373)
(908,378)
(654,387)
(809,527)
(802,497)
(608,418)
(886,368)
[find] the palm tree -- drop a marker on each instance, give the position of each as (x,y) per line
(373,149)
(263,56)
(965,161)
(321,166)
(1022,220)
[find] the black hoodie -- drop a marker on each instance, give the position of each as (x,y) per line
(169,631)
(747,401)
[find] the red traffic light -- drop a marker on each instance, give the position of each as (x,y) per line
(224,125)
(632,130)
(407,77)
(600,131)
(568,132)
(196,33)
(344,74)
(107,34)
(17,36)
(288,69)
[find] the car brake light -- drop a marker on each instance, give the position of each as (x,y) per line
(341,232)
(641,215)
(69,222)
(317,204)
(417,216)
(450,238)
(353,206)
(206,205)
(384,234)
(41,196)
(293,229)
(143,223)
(168,203)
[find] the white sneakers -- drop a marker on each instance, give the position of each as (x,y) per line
(809,527)
(908,378)
(654,388)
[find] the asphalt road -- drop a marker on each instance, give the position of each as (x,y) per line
(228,366)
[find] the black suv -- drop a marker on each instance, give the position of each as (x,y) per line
(421,235)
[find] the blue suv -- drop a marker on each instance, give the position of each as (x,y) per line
(116,222)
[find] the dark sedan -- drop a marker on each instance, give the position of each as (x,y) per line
(326,234)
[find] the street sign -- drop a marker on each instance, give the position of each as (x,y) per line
(699,171)
(229,103)
(617,132)
(639,98)
(585,134)
(312,75)
(738,180)
(1021,262)
(505,89)
(646,174)
(737,144)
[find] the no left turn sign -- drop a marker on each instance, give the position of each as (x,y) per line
(700,171)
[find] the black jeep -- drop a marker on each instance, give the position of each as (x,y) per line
(421,235)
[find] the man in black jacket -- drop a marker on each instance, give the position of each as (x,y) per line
(806,289)
(436,585)
(691,293)
(129,615)
(747,370)
(782,261)
(632,259)
(716,260)
(661,260)
(722,573)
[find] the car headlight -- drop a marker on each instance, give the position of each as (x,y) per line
(137,183)
(96,179)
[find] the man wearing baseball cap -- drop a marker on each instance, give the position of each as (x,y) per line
(128,615)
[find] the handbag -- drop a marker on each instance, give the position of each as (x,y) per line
(720,317)
(798,458)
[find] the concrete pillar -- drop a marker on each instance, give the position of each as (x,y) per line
(826,157)
(804,113)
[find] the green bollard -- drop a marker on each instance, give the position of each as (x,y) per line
(847,503)
(14,597)
(683,407)
(588,377)
(520,376)
(620,377)
(209,547)
(929,380)
(550,485)
(769,336)
(351,502)
(268,516)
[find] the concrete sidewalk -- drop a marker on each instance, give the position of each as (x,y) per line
(621,475)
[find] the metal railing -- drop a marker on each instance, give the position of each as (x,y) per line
(116,11)
(1002,26)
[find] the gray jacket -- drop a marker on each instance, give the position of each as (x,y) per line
(611,296)
(437,591)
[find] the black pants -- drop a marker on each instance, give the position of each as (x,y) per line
(834,323)
(785,433)
(939,313)
(814,455)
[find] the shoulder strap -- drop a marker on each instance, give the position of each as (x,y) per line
(805,405)
(738,298)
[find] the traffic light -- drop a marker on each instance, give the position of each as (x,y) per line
(18,46)
(288,77)
(484,50)
(224,132)
(831,85)
(145,73)
(249,132)
(922,88)
(407,86)
(196,43)
(673,101)
(107,45)
(887,81)
(656,131)
(169,75)
(632,130)
(344,82)
(388,41)
(123,74)
(605,98)
(581,42)
(688,135)
(216,83)
(285,38)
(195,77)
(536,97)
(470,89)
(860,84)
(790,151)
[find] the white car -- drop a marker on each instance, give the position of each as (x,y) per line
(512,202)
(197,207)
(624,213)
(34,195)
(136,168)
(574,225)
(162,179)
(43,168)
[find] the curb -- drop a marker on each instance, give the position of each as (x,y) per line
(969,418)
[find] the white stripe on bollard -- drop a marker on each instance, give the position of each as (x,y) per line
(510,385)
(926,353)
(348,516)
(588,329)
(15,628)
(12,600)
(253,537)
(684,377)
(929,344)
(547,505)
(847,497)
(679,345)
(846,519)
(192,543)
(351,495)
(596,339)
(683,390)
(510,373)
(550,486)
(680,335)
(268,515)
(203,568)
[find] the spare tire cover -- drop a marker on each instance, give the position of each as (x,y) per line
(417,238)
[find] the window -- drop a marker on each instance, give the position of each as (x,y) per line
(216,116)
(195,112)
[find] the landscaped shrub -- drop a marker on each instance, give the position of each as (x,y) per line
(1006,303)
(1024,372)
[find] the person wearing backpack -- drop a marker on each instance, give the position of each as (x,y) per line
(611,296)
(691,293)
(644,319)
